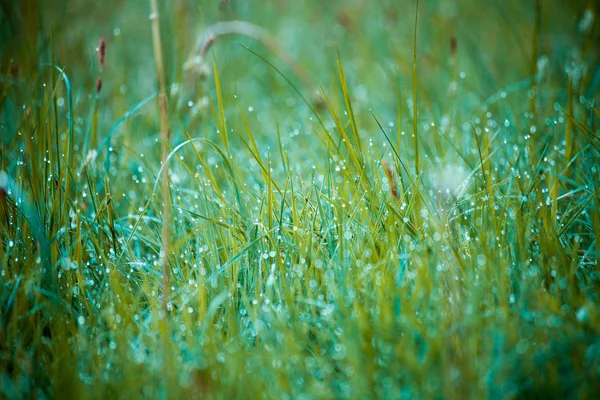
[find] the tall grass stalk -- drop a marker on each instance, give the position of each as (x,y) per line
(164,137)
(415,106)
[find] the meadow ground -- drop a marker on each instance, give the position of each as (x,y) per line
(299,199)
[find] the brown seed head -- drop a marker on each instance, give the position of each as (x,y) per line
(210,40)
(101,53)
(389,173)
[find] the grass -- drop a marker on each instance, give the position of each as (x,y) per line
(238,210)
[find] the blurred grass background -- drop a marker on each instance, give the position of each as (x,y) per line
(309,257)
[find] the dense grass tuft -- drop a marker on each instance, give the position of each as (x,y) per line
(299,199)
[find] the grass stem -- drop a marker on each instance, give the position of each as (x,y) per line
(164,136)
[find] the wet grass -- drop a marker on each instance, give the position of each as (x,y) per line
(321,200)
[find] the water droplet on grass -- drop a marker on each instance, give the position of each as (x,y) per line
(582,314)
(481,260)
